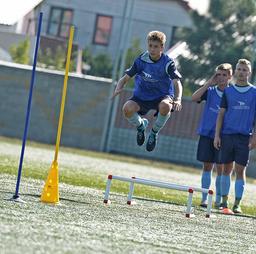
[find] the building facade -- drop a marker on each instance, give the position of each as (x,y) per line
(99,24)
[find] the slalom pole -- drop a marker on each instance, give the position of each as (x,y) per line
(64,92)
(50,193)
(16,195)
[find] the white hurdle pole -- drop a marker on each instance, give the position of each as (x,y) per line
(209,205)
(189,205)
(107,192)
(129,199)
(186,187)
(160,184)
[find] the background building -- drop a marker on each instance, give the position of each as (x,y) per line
(98,23)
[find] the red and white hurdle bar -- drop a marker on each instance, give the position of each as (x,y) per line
(160,184)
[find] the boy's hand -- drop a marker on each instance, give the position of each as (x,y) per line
(213,80)
(120,85)
(117,91)
(217,142)
(252,143)
(176,105)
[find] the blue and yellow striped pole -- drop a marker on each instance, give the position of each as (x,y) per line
(50,193)
(16,195)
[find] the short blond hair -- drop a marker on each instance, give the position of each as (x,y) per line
(225,67)
(245,62)
(157,36)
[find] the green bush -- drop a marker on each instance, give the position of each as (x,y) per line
(56,61)
(20,52)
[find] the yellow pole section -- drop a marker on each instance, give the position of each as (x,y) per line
(64,91)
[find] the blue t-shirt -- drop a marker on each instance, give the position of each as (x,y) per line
(240,105)
(211,109)
(153,79)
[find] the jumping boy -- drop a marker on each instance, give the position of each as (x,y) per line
(155,74)
(234,128)
(211,92)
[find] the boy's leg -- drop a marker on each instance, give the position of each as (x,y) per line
(227,157)
(225,183)
(241,161)
(219,169)
(206,181)
(239,187)
(164,108)
(130,110)
(205,154)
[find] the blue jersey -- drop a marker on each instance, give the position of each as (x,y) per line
(240,105)
(210,113)
(153,79)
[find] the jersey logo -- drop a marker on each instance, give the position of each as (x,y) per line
(241,103)
(148,77)
(242,106)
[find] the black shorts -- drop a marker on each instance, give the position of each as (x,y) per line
(145,106)
(235,147)
(206,152)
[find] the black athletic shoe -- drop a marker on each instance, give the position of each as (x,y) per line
(141,132)
(152,140)
(237,209)
(223,205)
(203,204)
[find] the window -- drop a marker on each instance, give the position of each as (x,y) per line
(102,30)
(60,22)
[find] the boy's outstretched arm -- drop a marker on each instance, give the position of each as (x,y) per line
(196,96)
(178,94)
(120,85)
(219,122)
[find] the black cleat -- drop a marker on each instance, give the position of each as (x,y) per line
(237,209)
(204,204)
(141,132)
(152,140)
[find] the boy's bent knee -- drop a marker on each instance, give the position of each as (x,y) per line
(164,107)
(130,108)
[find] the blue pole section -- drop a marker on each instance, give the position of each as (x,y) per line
(16,195)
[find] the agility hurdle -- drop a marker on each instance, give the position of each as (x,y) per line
(160,184)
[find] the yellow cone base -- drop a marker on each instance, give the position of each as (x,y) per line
(50,193)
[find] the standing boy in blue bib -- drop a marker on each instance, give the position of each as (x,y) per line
(211,92)
(157,86)
(234,129)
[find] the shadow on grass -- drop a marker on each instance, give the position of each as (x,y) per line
(38,196)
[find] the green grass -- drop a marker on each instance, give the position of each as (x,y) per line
(92,179)
(109,156)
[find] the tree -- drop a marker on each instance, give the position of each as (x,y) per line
(20,52)
(45,58)
(226,34)
(99,65)
(87,58)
